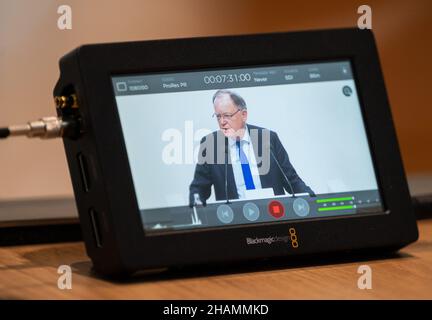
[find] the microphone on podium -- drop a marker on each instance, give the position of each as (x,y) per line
(283,173)
(226,170)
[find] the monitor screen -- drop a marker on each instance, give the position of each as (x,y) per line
(235,146)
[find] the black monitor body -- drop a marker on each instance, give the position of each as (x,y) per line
(101,175)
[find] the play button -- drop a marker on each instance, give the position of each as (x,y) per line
(251,211)
(301,207)
(225,213)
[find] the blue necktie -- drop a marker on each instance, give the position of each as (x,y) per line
(247,174)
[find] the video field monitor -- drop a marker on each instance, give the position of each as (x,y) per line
(234,148)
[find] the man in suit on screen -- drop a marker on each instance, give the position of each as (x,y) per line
(240,157)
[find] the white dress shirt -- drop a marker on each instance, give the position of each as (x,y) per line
(247,147)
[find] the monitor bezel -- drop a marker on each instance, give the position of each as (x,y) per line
(98,63)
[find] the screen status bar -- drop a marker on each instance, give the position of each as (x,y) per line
(232,78)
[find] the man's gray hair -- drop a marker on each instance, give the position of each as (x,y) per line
(237,99)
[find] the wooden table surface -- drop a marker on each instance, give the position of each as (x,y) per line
(30,272)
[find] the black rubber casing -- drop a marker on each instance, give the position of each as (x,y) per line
(122,246)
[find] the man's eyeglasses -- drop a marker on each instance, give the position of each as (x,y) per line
(227,116)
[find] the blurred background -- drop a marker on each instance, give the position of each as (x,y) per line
(31,45)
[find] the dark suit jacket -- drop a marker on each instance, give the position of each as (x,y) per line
(211,170)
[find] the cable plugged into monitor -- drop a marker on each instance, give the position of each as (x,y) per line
(67,126)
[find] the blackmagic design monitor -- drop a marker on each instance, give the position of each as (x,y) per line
(226,149)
